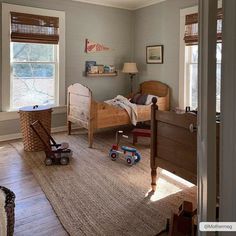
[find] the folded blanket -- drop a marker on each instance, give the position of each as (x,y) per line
(123,102)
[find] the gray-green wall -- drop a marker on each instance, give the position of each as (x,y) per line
(109,26)
(154,25)
(127,33)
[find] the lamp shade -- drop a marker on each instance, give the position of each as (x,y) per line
(130,68)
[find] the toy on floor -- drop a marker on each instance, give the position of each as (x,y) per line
(181,224)
(131,155)
(55,153)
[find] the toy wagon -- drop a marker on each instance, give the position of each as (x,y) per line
(55,153)
(131,155)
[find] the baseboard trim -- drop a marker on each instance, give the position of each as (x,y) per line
(59,129)
(9,137)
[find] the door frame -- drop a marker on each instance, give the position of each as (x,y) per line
(206,141)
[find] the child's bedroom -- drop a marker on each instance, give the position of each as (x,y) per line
(99,116)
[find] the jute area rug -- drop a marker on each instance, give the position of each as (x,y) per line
(96,196)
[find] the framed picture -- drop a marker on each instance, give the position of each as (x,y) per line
(154,54)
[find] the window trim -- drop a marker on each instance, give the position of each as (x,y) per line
(6,63)
(182,56)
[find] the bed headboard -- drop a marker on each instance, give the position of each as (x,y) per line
(155,88)
(159,89)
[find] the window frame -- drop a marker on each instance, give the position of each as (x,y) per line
(183,83)
(6,60)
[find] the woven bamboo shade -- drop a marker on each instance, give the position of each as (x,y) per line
(191,28)
(30,28)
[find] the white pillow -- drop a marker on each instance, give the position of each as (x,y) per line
(149,99)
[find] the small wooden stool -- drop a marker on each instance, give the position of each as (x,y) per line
(140,133)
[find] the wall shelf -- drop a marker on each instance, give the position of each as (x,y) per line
(102,74)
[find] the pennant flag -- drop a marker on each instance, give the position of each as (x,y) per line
(94,47)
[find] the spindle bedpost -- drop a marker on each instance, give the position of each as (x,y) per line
(153,143)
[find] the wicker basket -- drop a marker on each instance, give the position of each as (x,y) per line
(27,116)
(10,210)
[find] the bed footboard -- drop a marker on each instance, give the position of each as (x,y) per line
(174,144)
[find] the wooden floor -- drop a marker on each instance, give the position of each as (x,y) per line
(33,213)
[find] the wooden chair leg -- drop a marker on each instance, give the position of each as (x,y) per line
(135,139)
(69,127)
(154,179)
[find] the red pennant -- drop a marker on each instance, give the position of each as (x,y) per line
(94,47)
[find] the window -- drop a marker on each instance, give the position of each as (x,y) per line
(189,58)
(191,70)
(34,74)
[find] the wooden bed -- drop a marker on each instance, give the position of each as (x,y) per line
(83,110)
(174,144)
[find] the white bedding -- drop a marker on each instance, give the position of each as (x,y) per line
(123,102)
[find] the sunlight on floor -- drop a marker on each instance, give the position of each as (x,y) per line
(177,178)
(166,188)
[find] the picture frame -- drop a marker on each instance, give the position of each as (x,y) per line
(154,54)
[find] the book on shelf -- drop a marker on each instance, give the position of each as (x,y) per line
(88,65)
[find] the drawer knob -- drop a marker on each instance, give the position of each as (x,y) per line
(192,128)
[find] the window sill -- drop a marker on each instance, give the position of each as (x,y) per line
(13,115)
